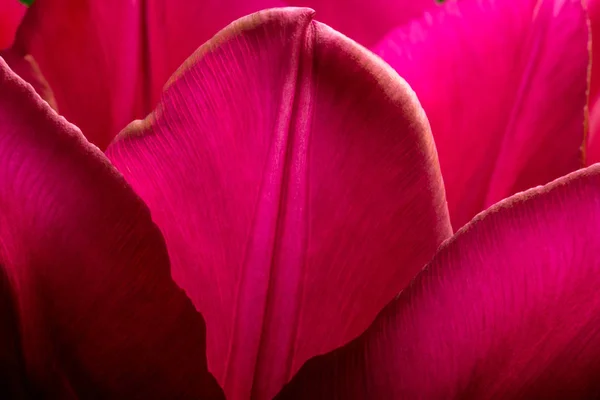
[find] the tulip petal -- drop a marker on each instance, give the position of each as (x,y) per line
(175,29)
(367,22)
(508,309)
(11,15)
(107,60)
(503,84)
(28,70)
(91,55)
(295,179)
(593,146)
(89,309)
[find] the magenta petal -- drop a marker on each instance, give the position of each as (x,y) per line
(503,84)
(508,309)
(296,182)
(176,28)
(367,21)
(28,70)
(107,60)
(88,307)
(11,14)
(90,53)
(593,147)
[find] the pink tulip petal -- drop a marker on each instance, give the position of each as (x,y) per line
(176,28)
(84,272)
(294,177)
(503,84)
(593,148)
(11,15)
(28,70)
(90,53)
(367,22)
(107,60)
(508,309)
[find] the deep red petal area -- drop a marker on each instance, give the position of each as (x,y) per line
(88,308)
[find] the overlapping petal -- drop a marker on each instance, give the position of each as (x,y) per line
(503,84)
(295,179)
(90,52)
(117,55)
(367,22)
(508,309)
(25,66)
(88,307)
(107,60)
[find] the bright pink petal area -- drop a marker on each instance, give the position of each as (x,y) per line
(503,84)
(89,309)
(107,60)
(295,179)
(11,15)
(508,309)
(28,70)
(367,21)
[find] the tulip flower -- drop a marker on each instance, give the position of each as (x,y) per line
(107,60)
(285,189)
(295,183)
(507,112)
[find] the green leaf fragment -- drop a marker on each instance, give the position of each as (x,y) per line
(26,2)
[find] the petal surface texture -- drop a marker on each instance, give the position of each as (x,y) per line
(89,309)
(296,182)
(508,309)
(503,84)
(28,70)
(107,60)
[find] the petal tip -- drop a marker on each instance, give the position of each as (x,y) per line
(285,15)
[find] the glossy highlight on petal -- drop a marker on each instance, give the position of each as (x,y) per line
(509,308)
(294,177)
(504,85)
(88,306)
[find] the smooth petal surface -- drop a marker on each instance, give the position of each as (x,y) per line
(593,148)
(25,66)
(508,309)
(367,22)
(295,179)
(11,15)
(503,84)
(89,309)
(107,60)
(91,54)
